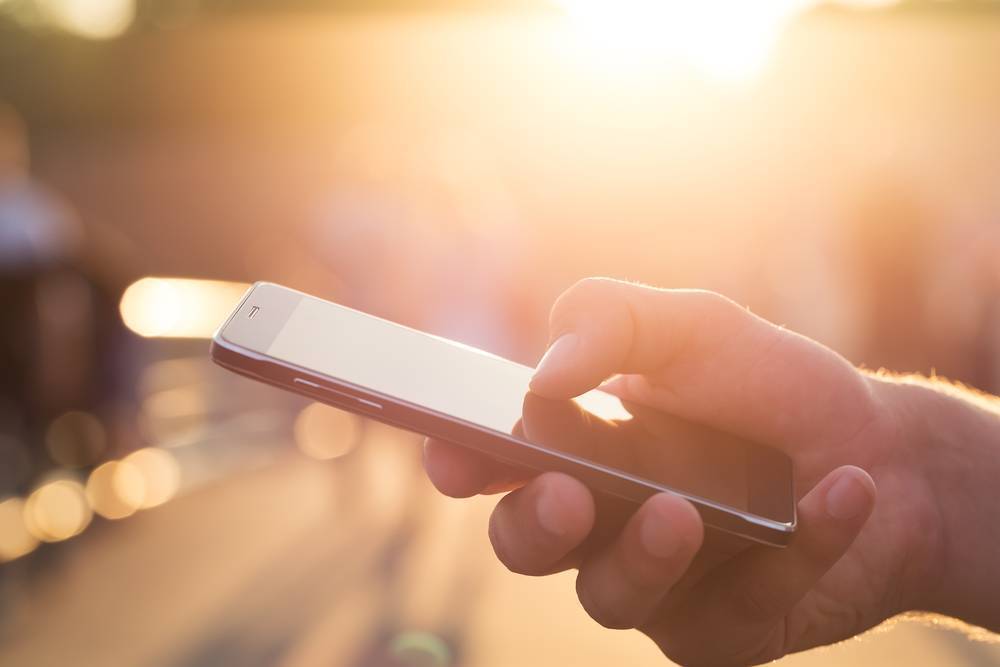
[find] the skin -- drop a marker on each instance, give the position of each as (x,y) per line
(895,476)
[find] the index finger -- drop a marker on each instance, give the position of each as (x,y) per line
(461,472)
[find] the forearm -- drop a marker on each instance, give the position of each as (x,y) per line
(953,435)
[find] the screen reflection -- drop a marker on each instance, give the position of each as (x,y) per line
(644,443)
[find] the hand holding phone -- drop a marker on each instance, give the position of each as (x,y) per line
(482,402)
(697,356)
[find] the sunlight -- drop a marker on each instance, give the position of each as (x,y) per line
(728,41)
(94,19)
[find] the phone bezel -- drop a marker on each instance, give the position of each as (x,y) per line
(275,305)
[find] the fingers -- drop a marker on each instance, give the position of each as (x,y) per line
(623,585)
(700,356)
(750,596)
(460,472)
(600,326)
(535,528)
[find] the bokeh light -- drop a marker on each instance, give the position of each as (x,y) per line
(324,432)
(116,489)
(75,439)
(172,373)
(174,416)
(57,510)
(94,19)
(15,539)
(422,649)
(178,307)
(161,475)
(180,402)
(482,162)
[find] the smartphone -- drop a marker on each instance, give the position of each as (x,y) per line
(444,389)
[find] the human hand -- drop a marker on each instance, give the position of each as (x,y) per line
(852,563)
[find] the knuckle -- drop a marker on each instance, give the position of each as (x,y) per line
(585,292)
(713,304)
(594,284)
(593,300)
(715,319)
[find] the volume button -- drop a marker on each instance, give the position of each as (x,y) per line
(370,404)
(318,387)
(307,383)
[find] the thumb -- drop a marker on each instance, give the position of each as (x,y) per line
(600,327)
(701,357)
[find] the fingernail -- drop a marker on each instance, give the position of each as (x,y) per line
(550,514)
(656,537)
(847,498)
(558,354)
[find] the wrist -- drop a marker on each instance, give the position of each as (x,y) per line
(948,444)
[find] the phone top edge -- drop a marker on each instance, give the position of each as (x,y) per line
(313,297)
(217,336)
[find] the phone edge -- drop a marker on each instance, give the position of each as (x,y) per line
(354,399)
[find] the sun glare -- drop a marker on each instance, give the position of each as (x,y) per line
(725,40)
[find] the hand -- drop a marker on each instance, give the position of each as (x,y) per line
(853,561)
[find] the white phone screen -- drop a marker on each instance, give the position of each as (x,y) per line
(491,392)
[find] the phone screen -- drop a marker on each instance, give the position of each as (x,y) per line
(490,392)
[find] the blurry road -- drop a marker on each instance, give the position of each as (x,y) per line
(351,562)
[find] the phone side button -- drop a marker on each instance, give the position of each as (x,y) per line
(320,388)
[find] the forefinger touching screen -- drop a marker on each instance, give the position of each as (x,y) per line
(491,392)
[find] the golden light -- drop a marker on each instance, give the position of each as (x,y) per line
(603,405)
(324,432)
(175,403)
(75,439)
(15,540)
(94,19)
(420,648)
(174,416)
(172,373)
(178,307)
(725,39)
(57,511)
(161,475)
(116,489)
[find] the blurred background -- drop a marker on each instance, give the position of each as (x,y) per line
(452,165)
